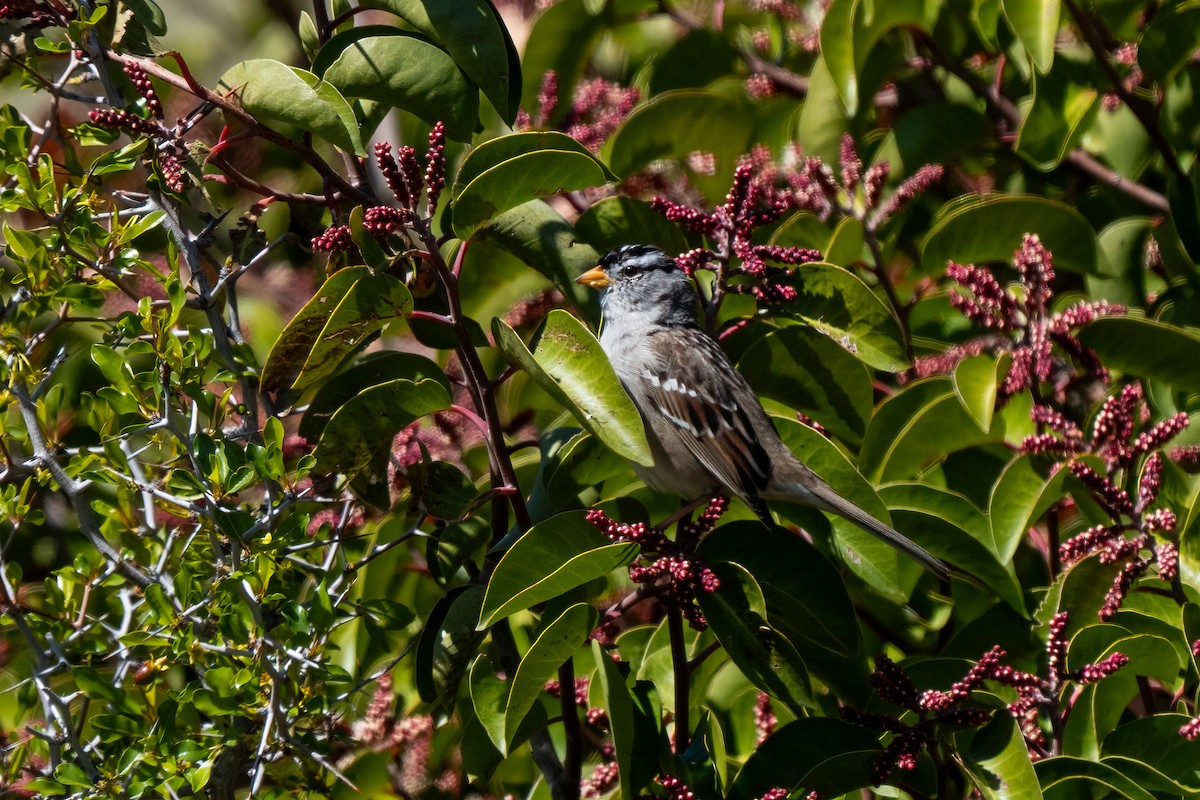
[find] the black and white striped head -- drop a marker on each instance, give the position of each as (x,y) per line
(638,280)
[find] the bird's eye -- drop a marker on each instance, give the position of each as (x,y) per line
(629,271)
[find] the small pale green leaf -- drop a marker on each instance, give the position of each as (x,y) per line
(274,92)
(1147,349)
(1035,22)
(975,382)
(567,362)
(409,72)
(522,178)
(988,228)
(554,645)
(551,558)
(368,422)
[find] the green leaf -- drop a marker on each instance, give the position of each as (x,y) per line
(1035,22)
(520,178)
(1155,742)
(836,302)
(737,614)
(560,41)
(474,36)
(1062,109)
(489,696)
(988,228)
(1147,349)
(674,124)
(71,774)
(1061,778)
(806,599)
(274,92)
(820,122)
(551,558)
(810,372)
(618,703)
(447,644)
(1019,498)
(975,382)
(824,755)
(369,421)
(997,761)
(553,646)
(949,526)
(407,71)
(567,362)
(1169,41)
(915,428)
(851,30)
(371,303)
(495,152)
(294,346)
(614,221)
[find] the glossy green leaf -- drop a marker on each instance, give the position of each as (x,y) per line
(489,696)
(1155,741)
(852,28)
(1035,22)
(475,37)
(369,421)
(915,428)
(406,71)
(1061,778)
(554,645)
(274,92)
(539,236)
(867,556)
(805,597)
(737,614)
(817,753)
(447,644)
(975,382)
(1147,349)
(810,372)
(988,228)
(567,362)
(1062,109)
(303,333)
(619,220)
(677,123)
(837,303)
(618,703)
(550,559)
(820,121)
(1019,498)
(949,526)
(521,178)
(1170,40)
(375,369)
(374,301)
(997,761)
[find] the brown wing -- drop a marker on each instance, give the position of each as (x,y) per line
(698,396)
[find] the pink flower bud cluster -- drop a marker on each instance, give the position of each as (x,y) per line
(169,151)
(674,564)
(1030,331)
(597,108)
(764,717)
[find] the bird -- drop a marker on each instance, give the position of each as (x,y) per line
(708,433)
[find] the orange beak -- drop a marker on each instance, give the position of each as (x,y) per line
(595,278)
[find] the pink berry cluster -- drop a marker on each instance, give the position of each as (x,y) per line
(1133,525)
(750,204)
(169,150)
(39,12)
(407,180)
(671,564)
(597,108)
(1024,325)
(1190,730)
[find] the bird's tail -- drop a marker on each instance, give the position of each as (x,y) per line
(823,496)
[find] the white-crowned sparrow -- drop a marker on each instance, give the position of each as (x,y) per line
(707,430)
